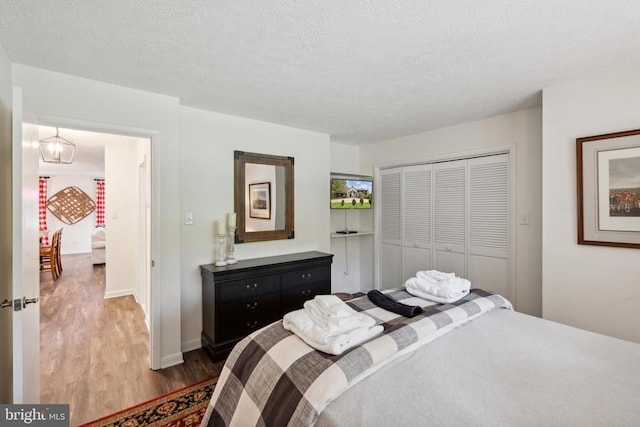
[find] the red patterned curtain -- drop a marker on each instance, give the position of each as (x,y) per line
(99,202)
(42,209)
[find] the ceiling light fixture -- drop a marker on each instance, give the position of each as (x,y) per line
(56,149)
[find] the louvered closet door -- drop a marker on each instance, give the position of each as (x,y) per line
(449,207)
(416,215)
(390,228)
(489,223)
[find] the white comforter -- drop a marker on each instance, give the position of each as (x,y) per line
(502,369)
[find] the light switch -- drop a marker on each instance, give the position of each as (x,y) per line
(188,218)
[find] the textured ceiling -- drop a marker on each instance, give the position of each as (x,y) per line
(357,70)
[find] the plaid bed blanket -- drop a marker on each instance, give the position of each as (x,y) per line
(273,378)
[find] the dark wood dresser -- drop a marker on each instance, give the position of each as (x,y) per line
(240,298)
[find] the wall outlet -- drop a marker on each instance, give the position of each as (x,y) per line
(188,218)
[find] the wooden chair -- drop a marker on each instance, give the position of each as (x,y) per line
(58,253)
(49,256)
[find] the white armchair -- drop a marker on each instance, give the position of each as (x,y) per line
(98,246)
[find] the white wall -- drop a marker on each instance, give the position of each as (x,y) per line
(590,287)
(352,268)
(76,238)
(121,219)
(521,129)
(69,99)
(6,367)
(206,189)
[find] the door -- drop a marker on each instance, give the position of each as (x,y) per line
(450,217)
(489,223)
(25,249)
(143,242)
(416,224)
(390,228)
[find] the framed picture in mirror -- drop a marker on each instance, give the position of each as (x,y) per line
(260,200)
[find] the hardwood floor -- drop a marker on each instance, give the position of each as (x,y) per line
(94,352)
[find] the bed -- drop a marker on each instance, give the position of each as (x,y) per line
(477,366)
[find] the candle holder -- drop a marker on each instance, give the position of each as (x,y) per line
(220,250)
(230,246)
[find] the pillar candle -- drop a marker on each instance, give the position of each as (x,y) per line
(221,228)
(232,219)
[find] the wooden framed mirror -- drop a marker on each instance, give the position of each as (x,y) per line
(263,197)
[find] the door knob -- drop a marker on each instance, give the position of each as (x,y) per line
(26,301)
(6,303)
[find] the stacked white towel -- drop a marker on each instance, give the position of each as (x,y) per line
(329,325)
(438,286)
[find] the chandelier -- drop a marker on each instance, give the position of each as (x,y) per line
(56,149)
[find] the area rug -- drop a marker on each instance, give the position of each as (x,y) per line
(181,408)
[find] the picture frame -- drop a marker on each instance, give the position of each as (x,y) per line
(260,200)
(608,189)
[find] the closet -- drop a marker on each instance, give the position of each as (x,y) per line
(451,216)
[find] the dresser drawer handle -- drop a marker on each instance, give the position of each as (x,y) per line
(306,276)
(252,325)
(306,292)
(251,287)
(253,305)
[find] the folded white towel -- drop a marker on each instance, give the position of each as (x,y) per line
(331,305)
(335,325)
(435,274)
(443,288)
(301,324)
(444,300)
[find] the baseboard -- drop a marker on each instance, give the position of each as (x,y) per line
(116,294)
(75,253)
(191,345)
(172,360)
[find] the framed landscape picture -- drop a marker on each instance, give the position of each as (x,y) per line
(260,200)
(608,169)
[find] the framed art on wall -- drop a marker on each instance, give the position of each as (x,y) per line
(608,172)
(260,200)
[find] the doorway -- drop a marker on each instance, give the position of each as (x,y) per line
(123,159)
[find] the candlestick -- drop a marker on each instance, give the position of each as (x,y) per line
(230,247)
(231,219)
(220,250)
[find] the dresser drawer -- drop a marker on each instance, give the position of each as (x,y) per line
(306,276)
(249,287)
(293,299)
(241,317)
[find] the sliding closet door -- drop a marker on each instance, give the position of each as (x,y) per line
(390,226)
(489,223)
(450,213)
(416,219)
